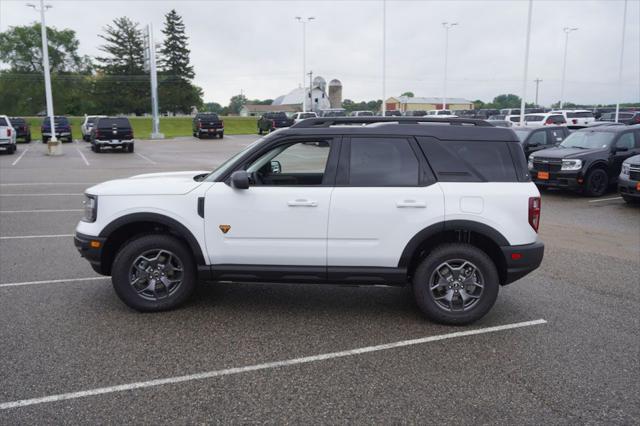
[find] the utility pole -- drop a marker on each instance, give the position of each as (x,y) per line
(384,57)
(537,81)
(151,55)
(304,22)
(310,74)
(54,147)
(566,30)
(523,101)
(624,27)
(447,26)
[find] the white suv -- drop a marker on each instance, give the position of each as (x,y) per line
(447,209)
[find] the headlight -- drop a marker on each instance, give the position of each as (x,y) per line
(571,164)
(625,169)
(530,162)
(90,208)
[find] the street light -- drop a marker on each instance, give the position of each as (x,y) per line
(304,22)
(619,94)
(566,30)
(523,101)
(447,26)
(384,58)
(53,146)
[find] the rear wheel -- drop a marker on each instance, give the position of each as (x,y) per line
(130,148)
(221,135)
(596,183)
(154,273)
(456,284)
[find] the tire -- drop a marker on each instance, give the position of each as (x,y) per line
(452,257)
(44,140)
(596,183)
(27,139)
(260,131)
(221,135)
(12,150)
(153,247)
(130,148)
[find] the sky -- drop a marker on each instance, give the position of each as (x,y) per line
(255,47)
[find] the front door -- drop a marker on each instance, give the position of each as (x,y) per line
(281,219)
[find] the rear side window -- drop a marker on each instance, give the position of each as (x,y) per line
(382,162)
(469,161)
(108,123)
(557,119)
(533,118)
(207,116)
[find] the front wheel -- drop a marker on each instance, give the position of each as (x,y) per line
(456,284)
(154,273)
(596,183)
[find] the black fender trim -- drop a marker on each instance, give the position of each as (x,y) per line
(430,231)
(173,224)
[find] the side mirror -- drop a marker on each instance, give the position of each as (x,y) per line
(276,167)
(621,148)
(240,179)
(532,144)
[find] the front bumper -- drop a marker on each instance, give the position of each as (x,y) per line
(521,260)
(628,187)
(86,246)
(569,179)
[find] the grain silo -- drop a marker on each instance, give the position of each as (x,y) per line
(335,93)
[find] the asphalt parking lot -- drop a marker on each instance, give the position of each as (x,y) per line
(560,346)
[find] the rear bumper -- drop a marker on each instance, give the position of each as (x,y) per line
(521,260)
(92,254)
(110,142)
(210,131)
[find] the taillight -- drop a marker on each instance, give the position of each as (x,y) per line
(97,134)
(549,121)
(199,125)
(8,132)
(574,121)
(534,212)
(222,123)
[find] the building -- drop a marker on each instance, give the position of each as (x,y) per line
(318,99)
(255,110)
(406,103)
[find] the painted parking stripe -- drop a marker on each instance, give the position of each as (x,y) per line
(20,157)
(605,199)
(21,237)
(83,157)
(144,157)
(66,280)
(37,195)
(40,211)
(264,366)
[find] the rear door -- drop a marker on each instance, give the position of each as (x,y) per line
(384,195)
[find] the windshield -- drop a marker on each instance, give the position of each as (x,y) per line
(57,120)
(522,134)
(588,140)
(222,168)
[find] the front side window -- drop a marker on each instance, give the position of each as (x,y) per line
(556,136)
(382,162)
(538,138)
(626,141)
(300,163)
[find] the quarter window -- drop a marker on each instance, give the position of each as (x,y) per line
(382,162)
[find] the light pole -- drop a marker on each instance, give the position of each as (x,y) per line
(537,81)
(523,101)
(566,30)
(447,26)
(624,27)
(304,22)
(53,145)
(384,57)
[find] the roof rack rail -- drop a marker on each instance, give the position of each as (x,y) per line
(334,121)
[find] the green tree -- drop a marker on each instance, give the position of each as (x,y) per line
(478,104)
(408,94)
(506,101)
(236,103)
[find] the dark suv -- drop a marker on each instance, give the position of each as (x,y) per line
(535,139)
(23,131)
(273,120)
(207,124)
(629,180)
(588,161)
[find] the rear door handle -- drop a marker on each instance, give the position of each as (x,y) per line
(302,202)
(411,203)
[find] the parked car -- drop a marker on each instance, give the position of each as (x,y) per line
(207,124)
(511,111)
(631,117)
(333,112)
(271,121)
(392,113)
(484,113)
(362,114)
(576,118)
(535,139)
(500,123)
(298,116)
(156,234)
(514,119)
(112,132)
(62,129)
(589,160)
(7,135)
(22,128)
(629,180)
(544,119)
(441,113)
(87,125)
(416,113)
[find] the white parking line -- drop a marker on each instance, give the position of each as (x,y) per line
(68,280)
(265,366)
(82,155)
(22,237)
(35,195)
(20,157)
(146,158)
(605,199)
(40,211)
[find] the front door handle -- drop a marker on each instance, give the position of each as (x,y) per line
(411,203)
(302,202)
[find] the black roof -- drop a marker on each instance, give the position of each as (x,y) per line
(611,128)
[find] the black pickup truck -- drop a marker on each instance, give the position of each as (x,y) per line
(273,120)
(112,132)
(62,129)
(23,131)
(207,124)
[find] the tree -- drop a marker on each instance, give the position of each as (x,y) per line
(478,104)
(506,101)
(236,103)
(408,94)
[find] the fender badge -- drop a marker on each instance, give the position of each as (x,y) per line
(224,228)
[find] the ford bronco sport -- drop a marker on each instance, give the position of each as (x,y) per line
(443,205)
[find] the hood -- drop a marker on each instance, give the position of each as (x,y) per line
(635,160)
(560,152)
(173,183)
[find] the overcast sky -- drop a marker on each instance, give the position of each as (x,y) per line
(256,46)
